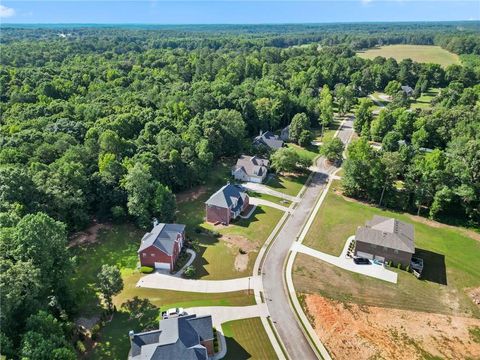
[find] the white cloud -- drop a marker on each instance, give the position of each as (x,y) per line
(365,2)
(6,12)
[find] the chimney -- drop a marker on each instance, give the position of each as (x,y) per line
(131,334)
(261,132)
(155,222)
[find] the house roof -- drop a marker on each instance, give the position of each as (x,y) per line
(229,196)
(163,237)
(176,338)
(388,232)
(407,89)
(269,139)
(252,165)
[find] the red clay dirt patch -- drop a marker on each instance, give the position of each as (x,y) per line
(365,332)
(190,195)
(89,236)
(475,295)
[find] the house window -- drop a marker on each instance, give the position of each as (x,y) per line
(385,248)
(152,254)
(373,246)
(144,254)
(395,251)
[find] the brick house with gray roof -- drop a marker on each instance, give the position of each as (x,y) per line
(187,337)
(160,247)
(385,239)
(226,204)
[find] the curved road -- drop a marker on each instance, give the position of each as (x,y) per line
(276,296)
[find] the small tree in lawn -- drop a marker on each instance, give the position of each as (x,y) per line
(284,160)
(110,283)
(332,149)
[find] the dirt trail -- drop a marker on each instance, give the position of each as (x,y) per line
(190,195)
(364,332)
(89,236)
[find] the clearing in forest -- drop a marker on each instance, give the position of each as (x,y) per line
(418,53)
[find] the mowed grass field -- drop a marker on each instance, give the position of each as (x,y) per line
(418,53)
(451,256)
(247,339)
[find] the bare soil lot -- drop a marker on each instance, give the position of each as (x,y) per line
(368,332)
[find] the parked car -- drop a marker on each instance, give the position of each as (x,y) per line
(361,261)
(173,312)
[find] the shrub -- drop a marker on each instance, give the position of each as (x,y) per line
(407,268)
(241,251)
(118,213)
(146,269)
(80,347)
(399,266)
(95,330)
(190,271)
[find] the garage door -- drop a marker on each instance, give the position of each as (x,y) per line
(364,255)
(163,266)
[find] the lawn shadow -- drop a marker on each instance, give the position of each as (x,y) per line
(200,262)
(235,351)
(434,268)
(253,218)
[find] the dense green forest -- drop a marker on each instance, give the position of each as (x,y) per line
(108,123)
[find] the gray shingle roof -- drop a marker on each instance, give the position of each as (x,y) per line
(407,89)
(229,196)
(163,237)
(269,139)
(177,338)
(252,165)
(388,232)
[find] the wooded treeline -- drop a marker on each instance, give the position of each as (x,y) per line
(109,123)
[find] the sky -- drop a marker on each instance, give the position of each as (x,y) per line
(234,11)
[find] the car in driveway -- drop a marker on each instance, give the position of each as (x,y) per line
(361,261)
(173,312)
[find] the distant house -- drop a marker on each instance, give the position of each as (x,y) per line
(407,90)
(269,140)
(226,204)
(250,168)
(160,247)
(188,337)
(385,239)
(285,133)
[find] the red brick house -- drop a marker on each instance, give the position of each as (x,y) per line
(226,204)
(160,247)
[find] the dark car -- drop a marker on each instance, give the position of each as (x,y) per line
(361,261)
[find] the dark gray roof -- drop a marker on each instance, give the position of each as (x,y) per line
(229,196)
(252,165)
(176,338)
(388,232)
(407,89)
(163,237)
(269,139)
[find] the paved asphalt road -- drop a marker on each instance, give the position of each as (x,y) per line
(296,344)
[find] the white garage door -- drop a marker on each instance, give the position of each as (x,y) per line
(365,255)
(163,266)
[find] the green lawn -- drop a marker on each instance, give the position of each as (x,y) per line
(289,185)
(425,101)
(418,53)
(247,339)
(310,152)
(329,132)
(452,260)
(270,198)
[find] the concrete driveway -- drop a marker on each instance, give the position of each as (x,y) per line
(373,270)
(258,201)
(169,282)
(222,314)
(269,191)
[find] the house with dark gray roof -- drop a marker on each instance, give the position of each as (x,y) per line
(250,168)
(385,239)
(160,247)
(268,139)
(407,90)
(285,133)
(226,204)
(187,337)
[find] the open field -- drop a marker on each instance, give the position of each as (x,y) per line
(247,339)
(418,53)
(350,331)
(287,184)
(451,255)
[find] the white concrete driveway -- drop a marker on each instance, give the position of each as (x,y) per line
(373,270)
(258,201)
(269,191)
(222,314)
(169,282)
